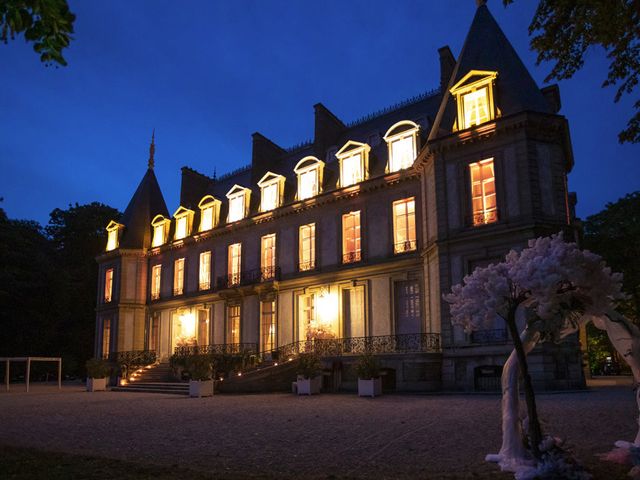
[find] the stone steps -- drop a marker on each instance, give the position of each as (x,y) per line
(154,387)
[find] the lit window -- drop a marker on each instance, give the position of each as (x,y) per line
(268,257)
(178,277)
(402,141)
(209,213)
(271,186)
(351,245)
(108,285)
(353,157)
(204,275)
(233,324)
(307,247)
(309,171)
(156,273)
(474,98)
(268,326)
(404,225)
(184,218)
(160,227)
(106,337)
(113,234)
(483,192)
(234,264)
(238,200)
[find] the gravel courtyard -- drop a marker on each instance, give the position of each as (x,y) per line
(325,436)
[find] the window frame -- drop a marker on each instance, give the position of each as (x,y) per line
(113,235)
(304,167)
(491,215)
(268,272)
(355,255)
(204,283)
(209,202)
(108,285)
(307,264)
(348,152)
(238,192)
(178,276)
(393,135)
(270,180)
(183,216)
(409,244)
(486,79)
(234,277)
(159,221)
(156,281)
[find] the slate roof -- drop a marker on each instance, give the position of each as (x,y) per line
(146,203)
(487,48)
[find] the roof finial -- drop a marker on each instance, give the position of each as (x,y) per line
(215,173)
(152,149)
(480,3)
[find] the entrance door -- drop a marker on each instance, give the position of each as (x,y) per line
(353,312)
(407,303)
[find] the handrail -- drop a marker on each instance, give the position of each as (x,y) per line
(218,349)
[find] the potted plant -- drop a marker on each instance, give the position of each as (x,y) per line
(97,372)
(309,373)
(369,381)
(200,374)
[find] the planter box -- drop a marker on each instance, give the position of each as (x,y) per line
(370,388)
(309,386)
(96,384)
(201,388)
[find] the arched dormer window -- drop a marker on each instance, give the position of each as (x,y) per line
(271,191)
(113,235)
(209,212)
(184,222)
(309,171)
(402,141)
(160,226)
(238,203)
(474,98)
(354,163)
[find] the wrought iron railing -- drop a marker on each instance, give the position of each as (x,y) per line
(406,246)
(489,336)
(484,218)
(131,360)
(351,257)
(307,266)
(249,277)
(218,349)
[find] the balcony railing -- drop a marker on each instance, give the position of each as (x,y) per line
(249,277)
(483,218)
(351,257)
(405,246)
(489,337)
(307,266)
(218,349)
(129,361)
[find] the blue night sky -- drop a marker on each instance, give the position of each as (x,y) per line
(208,74)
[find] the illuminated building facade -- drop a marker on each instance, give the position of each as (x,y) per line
(351,239)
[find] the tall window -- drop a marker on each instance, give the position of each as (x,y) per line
(106,337)
(156,273)
(351,170)
(234,264)
(351,244)
(181,228)
(159,225)
(404,225)
(474,98)
(402,139)
(178,277)
(184,219)
(309,171)
(476,107)
(108,285)
(209,212)
(268,256)
(483,192)
(233,324)
(267,326)
(113,231)
(236,208)
(271,186)
(307,247)
(408,308)
(204,275)
(206,218)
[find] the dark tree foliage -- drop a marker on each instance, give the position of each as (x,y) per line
(46,23)
(563,30)
(48,283)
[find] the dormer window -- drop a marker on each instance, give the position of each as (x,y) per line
(160,226)
(309,171)
(209,213)
(271,191)
(474,98)
(184,220)
(238,203)
(113,235)
(354,163)
(402,140)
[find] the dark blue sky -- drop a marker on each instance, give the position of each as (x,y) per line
(208,74)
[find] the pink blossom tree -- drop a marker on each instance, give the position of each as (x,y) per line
(551,288)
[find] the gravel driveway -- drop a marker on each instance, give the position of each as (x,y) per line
(324,436)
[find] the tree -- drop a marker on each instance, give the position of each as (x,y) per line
(563,30)
(547,289)
(46,23)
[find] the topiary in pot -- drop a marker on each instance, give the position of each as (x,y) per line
(309,370)
(97,372)
(369,381)
(200,371)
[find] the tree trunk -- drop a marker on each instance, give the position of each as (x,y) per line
(535,432)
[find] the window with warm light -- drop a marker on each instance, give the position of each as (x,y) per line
(181,228)
(106,337)
(354,159)
(160,227)
(307,247)
(268,256)
(209,213)
(404,225)
(238,201)
(309,171)
(474,98)
(206,218)
(233,324)
(351,244)
(267,326)
(483,192)
(402,139)
(271,188)
(234,264)
(184,218)
(178,277)
(113,235)
(108,285)
(156,273)
(204,274)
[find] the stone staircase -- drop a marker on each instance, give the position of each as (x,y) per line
(269,377)
(155,378)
